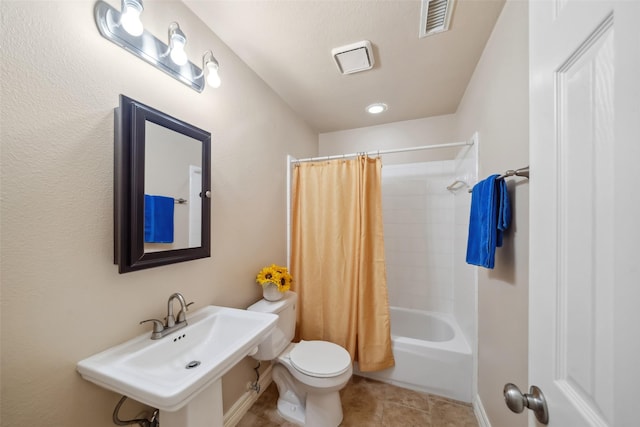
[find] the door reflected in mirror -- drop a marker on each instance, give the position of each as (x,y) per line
(162,178)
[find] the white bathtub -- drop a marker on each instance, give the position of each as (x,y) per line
(431,355)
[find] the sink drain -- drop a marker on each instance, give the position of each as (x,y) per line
(192,364)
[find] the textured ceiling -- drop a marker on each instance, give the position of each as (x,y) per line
(288,44)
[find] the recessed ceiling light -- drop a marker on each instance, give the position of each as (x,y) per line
(377,108)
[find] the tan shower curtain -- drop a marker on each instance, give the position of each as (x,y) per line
(337,258)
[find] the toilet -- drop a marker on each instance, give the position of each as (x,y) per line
(309,374)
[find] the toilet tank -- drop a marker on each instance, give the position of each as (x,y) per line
(282,334)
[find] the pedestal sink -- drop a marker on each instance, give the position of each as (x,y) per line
(180,374)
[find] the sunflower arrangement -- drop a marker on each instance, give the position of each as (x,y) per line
(277,275)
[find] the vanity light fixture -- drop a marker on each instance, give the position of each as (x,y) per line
(130,17)
(210,63)
(125,30)
(177,40)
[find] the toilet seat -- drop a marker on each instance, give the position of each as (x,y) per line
(320,359)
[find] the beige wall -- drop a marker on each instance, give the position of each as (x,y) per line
(496,103)
(62,298)
(409,133)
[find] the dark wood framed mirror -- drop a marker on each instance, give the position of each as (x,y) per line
(162,198)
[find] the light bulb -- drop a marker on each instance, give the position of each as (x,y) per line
(177,40)
(213,79)
(130,18)
(177,53)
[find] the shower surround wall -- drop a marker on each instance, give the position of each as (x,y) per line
(419,235)
(425,232)
(465,276)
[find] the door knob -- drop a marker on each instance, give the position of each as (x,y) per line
(534,400)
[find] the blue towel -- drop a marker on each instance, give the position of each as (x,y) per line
(504,210)
(158,219)
(490,216)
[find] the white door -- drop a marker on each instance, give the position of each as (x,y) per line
(585,210)
(195,206)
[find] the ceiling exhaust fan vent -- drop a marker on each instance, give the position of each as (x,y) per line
(354,57)
(435,16)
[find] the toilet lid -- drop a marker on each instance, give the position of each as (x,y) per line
(320,358)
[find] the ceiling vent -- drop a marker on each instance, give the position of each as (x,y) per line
(435,16)
(354,57)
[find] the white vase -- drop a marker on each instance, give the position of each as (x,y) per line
(270,292)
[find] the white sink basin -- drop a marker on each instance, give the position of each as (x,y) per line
(158,372)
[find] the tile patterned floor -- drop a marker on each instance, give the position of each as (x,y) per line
(370,403)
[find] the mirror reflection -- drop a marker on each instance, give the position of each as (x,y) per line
(172,187)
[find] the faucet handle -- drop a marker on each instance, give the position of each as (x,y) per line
(158,327)
(182,316)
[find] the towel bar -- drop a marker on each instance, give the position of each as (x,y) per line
(524,172)
(518,172)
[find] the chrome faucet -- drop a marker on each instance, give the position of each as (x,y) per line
(171,325)
(171,321)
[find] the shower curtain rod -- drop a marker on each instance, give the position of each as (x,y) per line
(378,152)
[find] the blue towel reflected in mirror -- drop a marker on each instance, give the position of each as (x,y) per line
(158,219)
